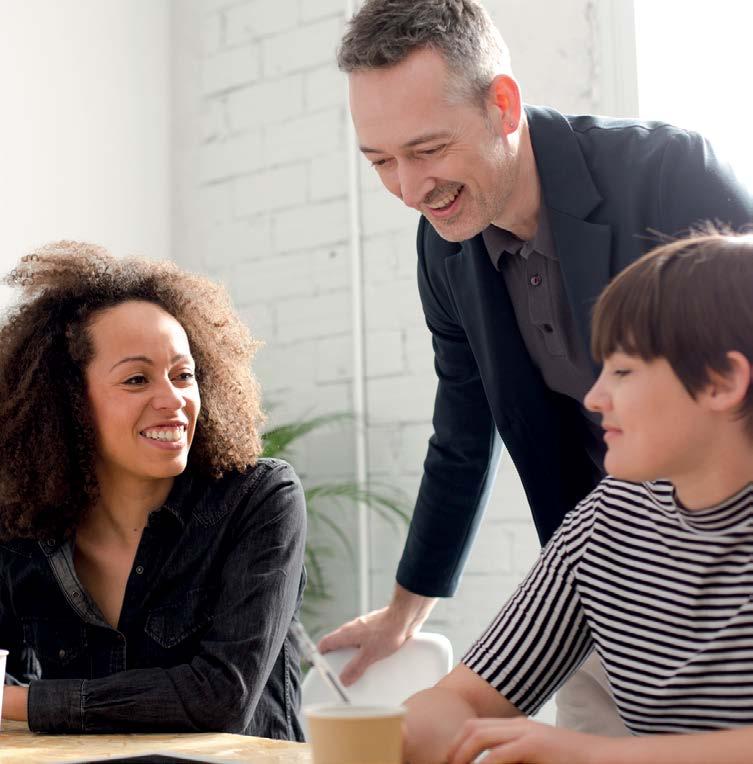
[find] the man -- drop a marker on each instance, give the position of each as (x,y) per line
(527,214)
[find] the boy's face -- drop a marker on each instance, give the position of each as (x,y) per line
(653,427)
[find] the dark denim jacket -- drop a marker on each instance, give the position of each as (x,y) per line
(203,639)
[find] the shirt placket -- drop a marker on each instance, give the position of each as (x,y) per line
(538,285)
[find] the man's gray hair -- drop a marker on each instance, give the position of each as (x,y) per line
(385,32)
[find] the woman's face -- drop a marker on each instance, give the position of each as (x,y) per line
(142,392)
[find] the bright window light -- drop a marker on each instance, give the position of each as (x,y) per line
(695,65)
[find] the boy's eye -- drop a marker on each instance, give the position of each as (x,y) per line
(621,372)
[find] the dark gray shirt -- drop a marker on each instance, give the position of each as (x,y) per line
(203,641)
(533,277)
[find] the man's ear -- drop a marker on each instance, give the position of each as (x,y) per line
(727,390)
(505,103)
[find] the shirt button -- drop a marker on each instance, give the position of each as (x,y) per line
(61,654)
(536,279)
(50,543)
(548,328)
(139,569)
(76,595)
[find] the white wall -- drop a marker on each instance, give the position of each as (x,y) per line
(85,126)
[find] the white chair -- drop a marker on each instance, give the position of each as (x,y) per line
(421,662)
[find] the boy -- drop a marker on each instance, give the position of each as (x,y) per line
(654,569)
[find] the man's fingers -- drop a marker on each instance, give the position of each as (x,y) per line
(345,636)
(353,670)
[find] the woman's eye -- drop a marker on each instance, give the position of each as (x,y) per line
(186,376)
(136,379)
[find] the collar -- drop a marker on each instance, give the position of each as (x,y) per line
(733,514)
(566,183)
(498,241)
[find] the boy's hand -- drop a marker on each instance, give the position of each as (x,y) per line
(521,741)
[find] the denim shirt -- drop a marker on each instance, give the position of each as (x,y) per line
(203,639)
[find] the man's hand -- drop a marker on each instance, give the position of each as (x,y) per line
(379,633)
(522,741)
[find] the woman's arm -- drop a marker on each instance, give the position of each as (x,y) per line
(221,686)
(15,702)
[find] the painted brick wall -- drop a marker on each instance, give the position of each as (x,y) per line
(261,203)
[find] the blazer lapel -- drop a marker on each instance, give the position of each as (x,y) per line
(583,248)
(584,252)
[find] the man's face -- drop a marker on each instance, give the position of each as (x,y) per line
(450,161)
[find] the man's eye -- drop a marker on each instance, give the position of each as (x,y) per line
(136,379)
(379,163)
(433,150)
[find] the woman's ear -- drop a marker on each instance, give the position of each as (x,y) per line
(727,390)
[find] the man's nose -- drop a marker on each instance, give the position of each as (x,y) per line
(414,185)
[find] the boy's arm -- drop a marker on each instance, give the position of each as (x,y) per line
(436,716)
(724,747)
(511,741)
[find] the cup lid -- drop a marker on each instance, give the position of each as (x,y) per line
(354,711)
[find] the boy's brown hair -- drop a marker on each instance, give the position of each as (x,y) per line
(689,301)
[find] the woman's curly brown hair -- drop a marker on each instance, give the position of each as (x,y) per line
(47,444)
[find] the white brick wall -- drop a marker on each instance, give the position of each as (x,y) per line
(261,167)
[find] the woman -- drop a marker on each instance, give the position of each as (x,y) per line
(152,564)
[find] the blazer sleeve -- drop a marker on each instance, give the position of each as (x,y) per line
(463,453)
(696,187)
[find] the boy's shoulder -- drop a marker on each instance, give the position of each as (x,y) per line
(622,494)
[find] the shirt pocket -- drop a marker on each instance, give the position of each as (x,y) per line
(58,646)
(172,624)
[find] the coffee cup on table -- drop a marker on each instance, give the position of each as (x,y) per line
(350,734)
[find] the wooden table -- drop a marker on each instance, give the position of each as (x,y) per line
(17,745)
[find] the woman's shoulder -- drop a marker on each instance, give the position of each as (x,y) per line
(268,488)
(265,474)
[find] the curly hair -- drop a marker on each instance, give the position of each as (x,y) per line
(47,442)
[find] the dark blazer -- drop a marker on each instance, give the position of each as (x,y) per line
(611,187)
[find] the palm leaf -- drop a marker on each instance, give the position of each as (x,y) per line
(278,440)
(323,498)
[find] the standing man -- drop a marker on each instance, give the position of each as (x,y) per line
(527,214)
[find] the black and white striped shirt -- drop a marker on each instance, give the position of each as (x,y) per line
(665,596)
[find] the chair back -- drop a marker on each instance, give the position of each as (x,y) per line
(421,662)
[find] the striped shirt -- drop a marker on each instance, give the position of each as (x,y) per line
(664,595)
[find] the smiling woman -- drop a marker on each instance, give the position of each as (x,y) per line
(152,563)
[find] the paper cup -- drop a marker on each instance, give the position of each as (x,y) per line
(3,656)
(343,734)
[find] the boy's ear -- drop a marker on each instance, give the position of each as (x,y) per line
(727,390)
